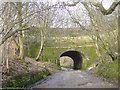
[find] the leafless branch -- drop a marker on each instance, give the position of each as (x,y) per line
(103,10)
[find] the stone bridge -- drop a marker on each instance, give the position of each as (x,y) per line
(75,55)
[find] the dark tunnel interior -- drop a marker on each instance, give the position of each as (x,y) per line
(76,57)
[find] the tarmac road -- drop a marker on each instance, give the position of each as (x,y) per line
(74,79)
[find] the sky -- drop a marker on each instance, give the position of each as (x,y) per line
(106,3)
(80,11)
(78,7)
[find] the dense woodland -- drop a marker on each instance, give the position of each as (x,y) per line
(35,29)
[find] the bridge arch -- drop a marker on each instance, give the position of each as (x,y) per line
(76,57)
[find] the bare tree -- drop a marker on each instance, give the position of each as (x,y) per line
(109,11)
(104,42)
(44,19)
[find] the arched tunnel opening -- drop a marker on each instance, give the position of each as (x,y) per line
(66,62)
(75,56)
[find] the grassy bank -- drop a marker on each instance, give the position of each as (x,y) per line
(109,70)
(21,81)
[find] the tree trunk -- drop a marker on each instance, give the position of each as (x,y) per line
(96,33)
(21,54)
(7,54)
(15,46)
(41,46)
(3,54)
(119,35)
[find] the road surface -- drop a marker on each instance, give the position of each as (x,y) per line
(74,79)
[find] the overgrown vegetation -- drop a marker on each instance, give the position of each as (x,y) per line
(34,30)
(109,70)
(90,56)
(21,81)
(51,54)
(32,50)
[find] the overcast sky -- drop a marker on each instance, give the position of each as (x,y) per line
(76,10)
(79,11)
(106,3)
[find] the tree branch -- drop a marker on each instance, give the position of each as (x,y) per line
(76,21)
(11,34)
(103,10)
(74,3)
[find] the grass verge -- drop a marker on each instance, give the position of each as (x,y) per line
(109,71)
(21,81)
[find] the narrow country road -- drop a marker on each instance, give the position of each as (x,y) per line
(74,79)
